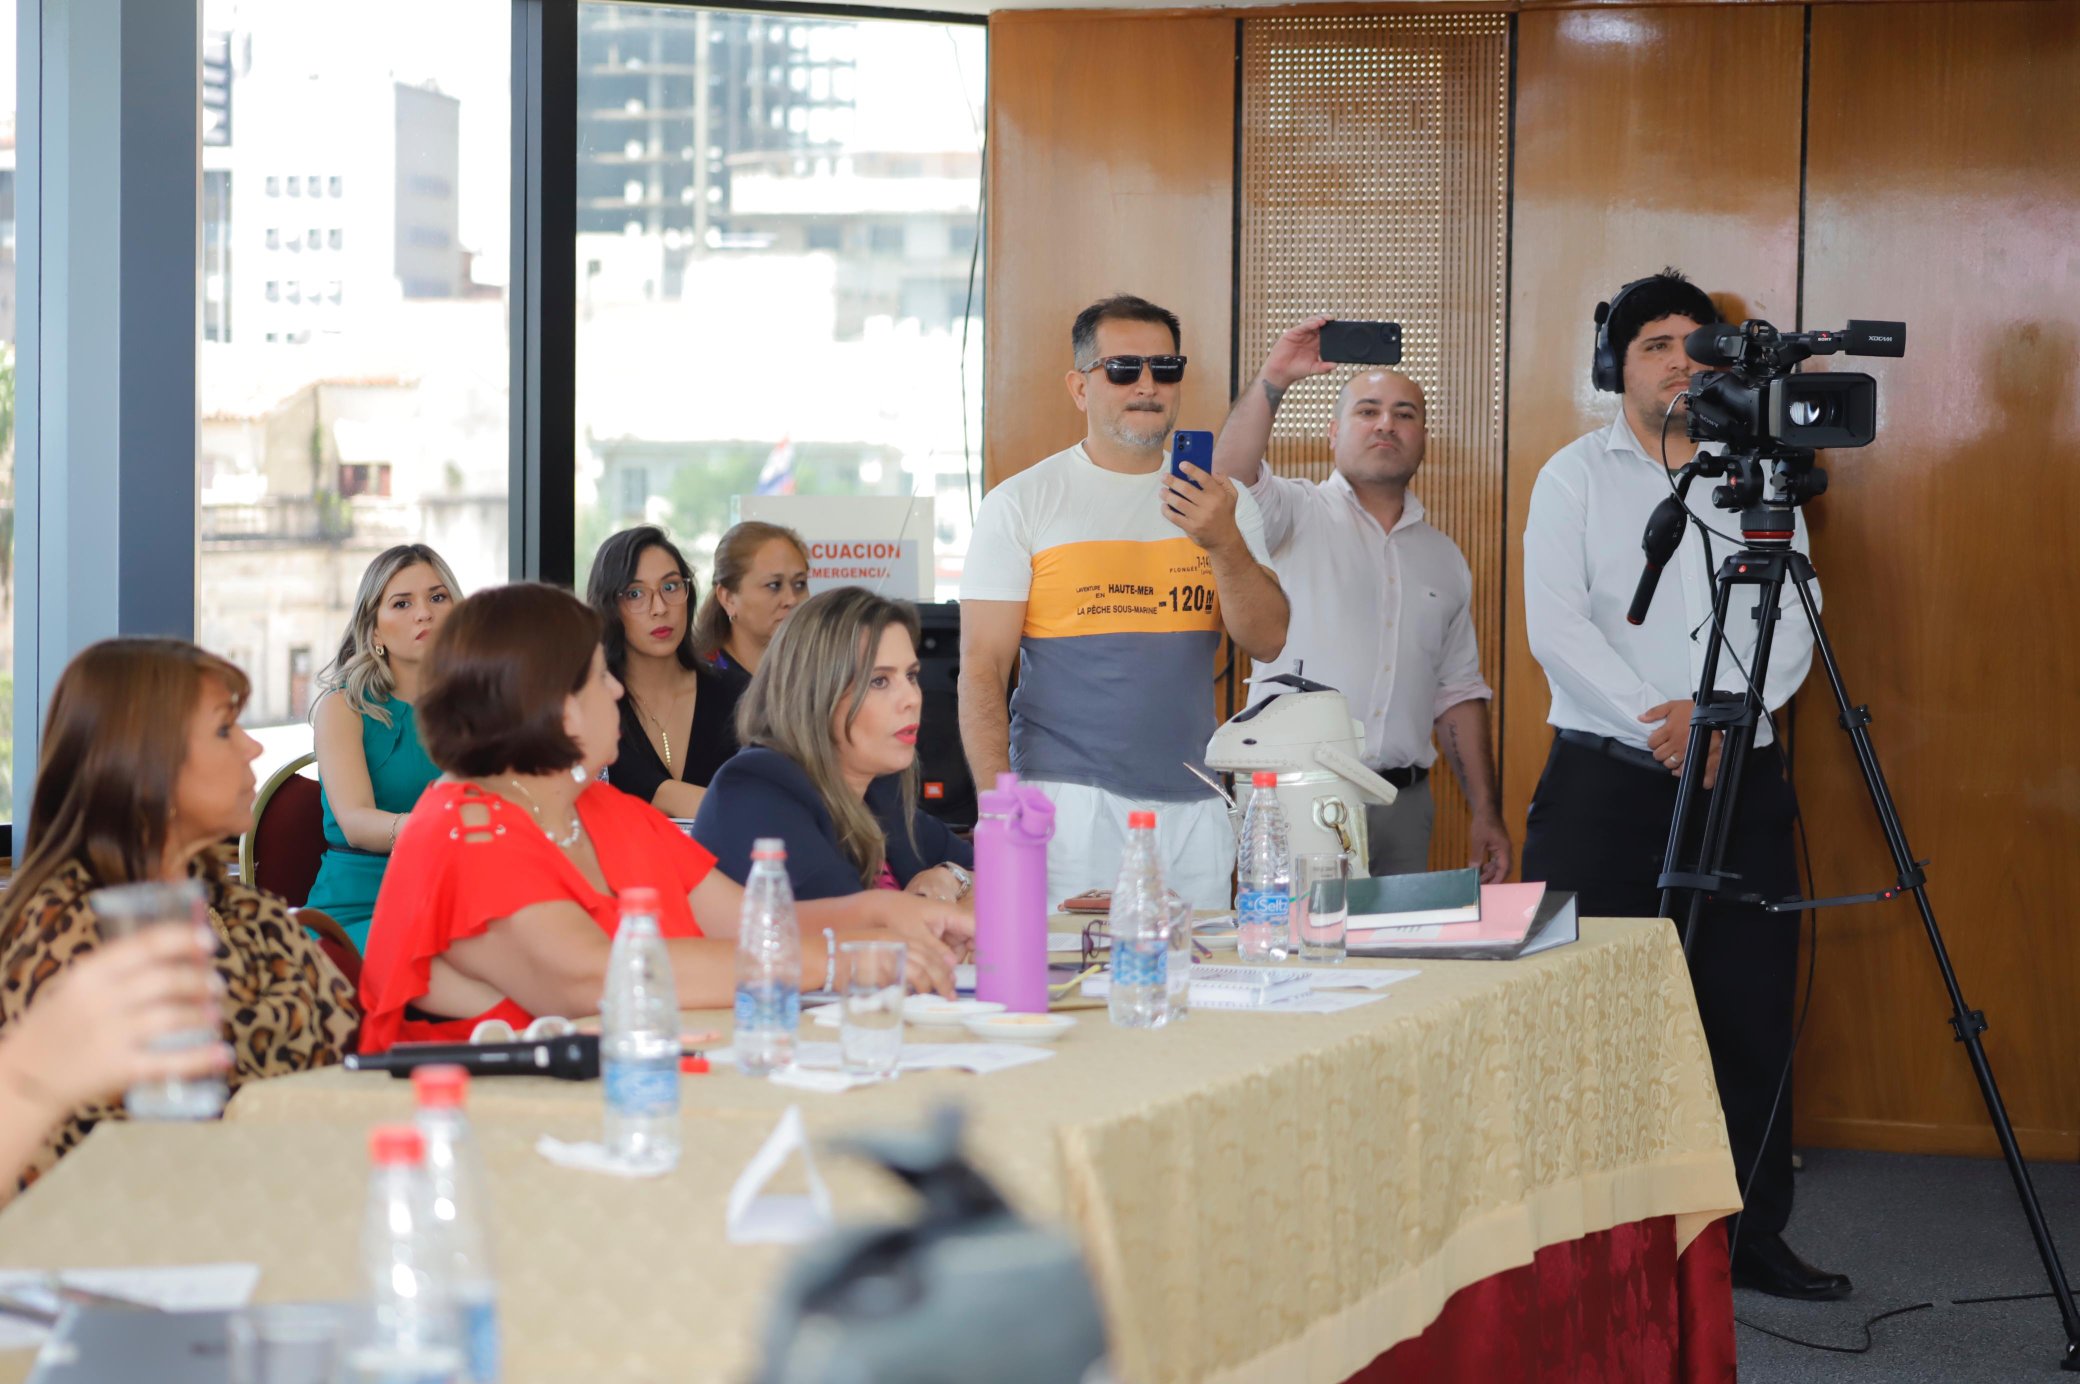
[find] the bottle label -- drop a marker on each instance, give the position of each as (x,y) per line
(767,1007)
(1141,961)
(480,1338)
(643,1090)
(1262,908)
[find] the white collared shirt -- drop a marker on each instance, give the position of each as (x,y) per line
(1384,617)
(1582,563)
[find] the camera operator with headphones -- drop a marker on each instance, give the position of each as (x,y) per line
(1621,702)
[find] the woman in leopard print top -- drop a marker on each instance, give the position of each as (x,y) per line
(146,731)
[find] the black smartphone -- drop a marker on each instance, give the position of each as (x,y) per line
(1189,445)
(1362,343)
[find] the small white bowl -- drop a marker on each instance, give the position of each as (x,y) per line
(934,1011)
(1020,1028)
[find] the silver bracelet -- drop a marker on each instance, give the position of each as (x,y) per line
(830,960)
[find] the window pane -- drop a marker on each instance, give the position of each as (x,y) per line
(354,357)
(7,262)
(777,235)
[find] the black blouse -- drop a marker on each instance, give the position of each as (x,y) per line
(638,770)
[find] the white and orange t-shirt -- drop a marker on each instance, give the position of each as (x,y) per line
(1115,664)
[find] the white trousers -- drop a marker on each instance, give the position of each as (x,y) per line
(1090,830)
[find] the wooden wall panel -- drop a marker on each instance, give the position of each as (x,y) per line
(1944,189)
(1617,174)
(1375,158)
(1111,168)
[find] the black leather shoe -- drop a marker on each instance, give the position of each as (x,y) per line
(1766,1264)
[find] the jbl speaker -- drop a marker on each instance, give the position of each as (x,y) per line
(946,790)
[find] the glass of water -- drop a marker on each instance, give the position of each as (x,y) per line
(1179,974)
(870,1029)
(124,911)
(1321,906)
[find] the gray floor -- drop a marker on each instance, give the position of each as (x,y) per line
(1907,1230)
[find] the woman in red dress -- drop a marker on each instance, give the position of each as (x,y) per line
(499,901)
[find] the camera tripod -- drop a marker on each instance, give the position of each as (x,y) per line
(1766,564)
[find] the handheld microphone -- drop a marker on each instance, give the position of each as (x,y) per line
(1664,533)
(573,1057)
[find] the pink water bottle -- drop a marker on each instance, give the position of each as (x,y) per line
(1011,895)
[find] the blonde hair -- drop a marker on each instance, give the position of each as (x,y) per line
(733,554)
(357,671)
(821,660)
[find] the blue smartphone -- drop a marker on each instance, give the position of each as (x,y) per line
(1195,447)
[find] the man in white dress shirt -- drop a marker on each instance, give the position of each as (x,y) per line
(1621,702)
(1382,602)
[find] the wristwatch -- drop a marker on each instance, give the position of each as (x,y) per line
(963,878)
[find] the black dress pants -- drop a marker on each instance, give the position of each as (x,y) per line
(1599,827)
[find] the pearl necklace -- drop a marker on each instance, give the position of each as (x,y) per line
(577,823)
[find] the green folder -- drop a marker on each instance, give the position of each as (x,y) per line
(1442,896)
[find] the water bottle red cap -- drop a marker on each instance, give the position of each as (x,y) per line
(391,1145)
(1264,778)
(769,848)
(1141,821)
(639,899)
(442,1086)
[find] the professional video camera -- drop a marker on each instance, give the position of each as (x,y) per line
(1771,420)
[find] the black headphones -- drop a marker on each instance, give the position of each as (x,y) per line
(1606,367)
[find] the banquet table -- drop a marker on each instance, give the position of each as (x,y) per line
(1495,1160)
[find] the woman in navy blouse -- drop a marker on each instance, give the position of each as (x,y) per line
(829,764)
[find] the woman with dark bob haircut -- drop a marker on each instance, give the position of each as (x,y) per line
(500,900)
(678,714)
(144,773)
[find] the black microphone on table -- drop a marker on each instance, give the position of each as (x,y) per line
(572,1057)
(1664,533)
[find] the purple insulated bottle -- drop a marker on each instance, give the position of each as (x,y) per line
(1011,895)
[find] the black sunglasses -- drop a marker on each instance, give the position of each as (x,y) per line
(1127,369)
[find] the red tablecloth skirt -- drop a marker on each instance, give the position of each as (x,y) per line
(1619,1305)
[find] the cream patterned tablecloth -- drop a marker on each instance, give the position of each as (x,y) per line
(1275,1198)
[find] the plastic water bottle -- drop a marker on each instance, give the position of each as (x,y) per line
(1263,876)
(413,1337)
(455,1177)
(639,1040)
(1140,922)
(769,965)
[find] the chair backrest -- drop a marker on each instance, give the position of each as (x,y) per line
(333,941)
(282,851)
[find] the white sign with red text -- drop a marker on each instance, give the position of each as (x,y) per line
(881,542)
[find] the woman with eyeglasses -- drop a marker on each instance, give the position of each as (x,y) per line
(761,574)
(678,714)
(371,766)
(830,760)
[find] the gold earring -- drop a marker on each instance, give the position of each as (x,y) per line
(382,652)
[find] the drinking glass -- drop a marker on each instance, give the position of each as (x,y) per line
(124,911)
(1179,973)
(870,1028)
(1321,906)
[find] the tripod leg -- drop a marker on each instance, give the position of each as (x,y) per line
(1696,754)
(1967,1023)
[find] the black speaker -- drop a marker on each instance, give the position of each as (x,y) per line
(947,790)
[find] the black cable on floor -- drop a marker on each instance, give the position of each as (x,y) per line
(2006,1297)
(1868,1339)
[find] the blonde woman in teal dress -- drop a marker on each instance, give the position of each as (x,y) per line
(371,766)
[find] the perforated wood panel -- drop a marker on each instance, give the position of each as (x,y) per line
(1375,164)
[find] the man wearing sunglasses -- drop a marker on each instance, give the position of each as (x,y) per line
(1108,582)
(1383,601)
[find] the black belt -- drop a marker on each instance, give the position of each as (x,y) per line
(1404,778)
(1615,749)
